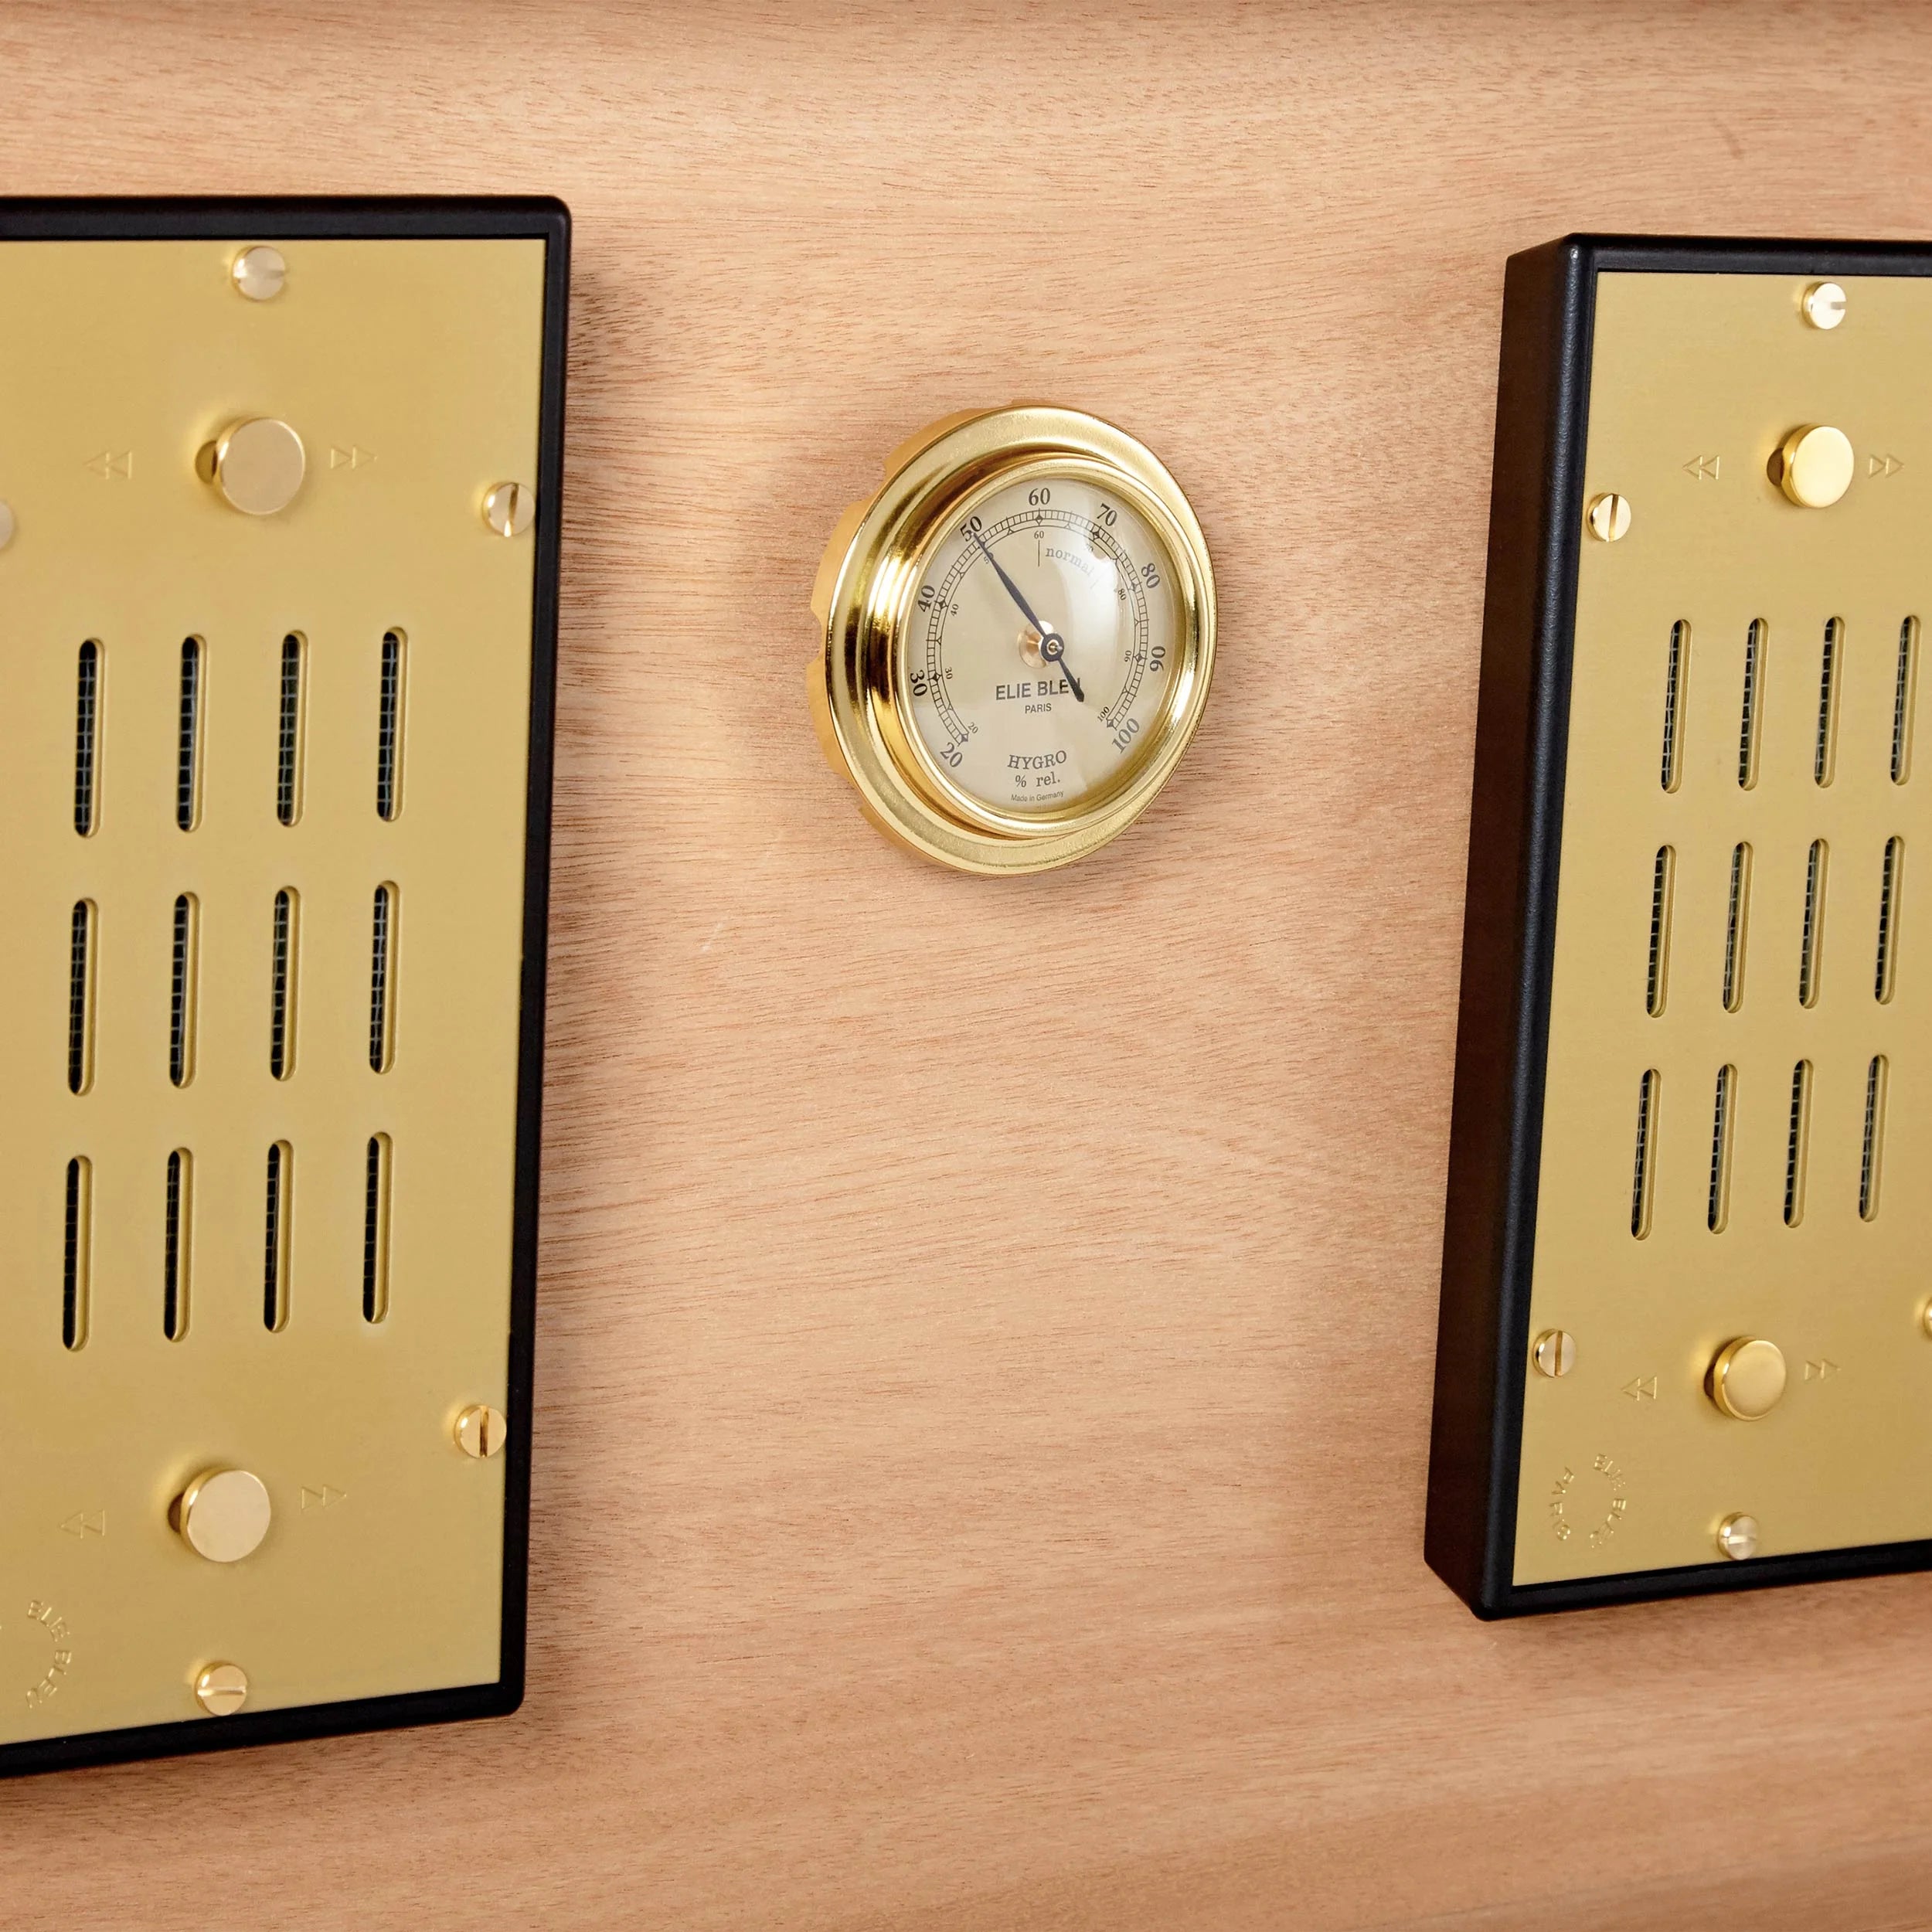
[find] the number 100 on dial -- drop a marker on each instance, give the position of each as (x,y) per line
(1019,636)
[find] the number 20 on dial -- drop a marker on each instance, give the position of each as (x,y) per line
(1018,635)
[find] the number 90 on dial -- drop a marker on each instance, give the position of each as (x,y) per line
(1017,639)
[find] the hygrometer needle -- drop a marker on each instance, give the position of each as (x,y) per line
(1053,647)
(1026,609)
(1048,639)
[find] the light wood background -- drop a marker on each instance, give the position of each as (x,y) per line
(981,1435)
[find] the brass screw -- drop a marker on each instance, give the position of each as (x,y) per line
(1747,1379)
(222,1515)
(260,273)
(1737,1536)
(1555,1353)
(1825,304)
(6,525)
(223,1690)
(1813,466)
(1925,1317)
(481,1431)
(509,508)
(1609,516)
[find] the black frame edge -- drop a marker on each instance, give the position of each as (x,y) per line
(238,217)
(1515,838)
(493,218)
(546,591)
(1746,255)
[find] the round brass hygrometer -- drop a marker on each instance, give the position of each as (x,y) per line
(1018,636)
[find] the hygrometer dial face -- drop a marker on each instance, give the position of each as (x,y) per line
(1019,636)
(1040,646)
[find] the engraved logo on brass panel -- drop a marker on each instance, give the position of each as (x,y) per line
(1614,1500)
(36,1652)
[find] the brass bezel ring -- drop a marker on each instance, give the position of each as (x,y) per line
(860,691)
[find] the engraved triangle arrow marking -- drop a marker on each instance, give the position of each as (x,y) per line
(1818,1371)
(1642,1389)
(107,466)
(325,1498)
(354,457)
(85,1522)
(1705,468)
(1882,466)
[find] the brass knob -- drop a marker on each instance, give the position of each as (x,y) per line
(1747,1380)
(257,465)
(1813,466)
(223,1515)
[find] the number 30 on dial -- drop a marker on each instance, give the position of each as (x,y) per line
(1018,634)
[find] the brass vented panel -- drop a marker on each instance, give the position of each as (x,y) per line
(266,781)
(1742,709)
(1685,1340)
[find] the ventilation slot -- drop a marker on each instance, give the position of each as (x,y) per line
(1734,931)
(1675,696)
(1904,702)
(1876,1081)
(1641,1186)
(175,1244)
(87,739)
(1797,1148)
(1754,704)
(289,731)
(80,998)
(382,1041)
(281,1183)
(78,1256)
(282,1023)
(1720,1200)
(188,738)
(181,993)
(375,1213)
(1662,893)
(1810,962)
(1888,920)
(388,732)
(1824,760)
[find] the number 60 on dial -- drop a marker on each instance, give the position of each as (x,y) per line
(1018,635)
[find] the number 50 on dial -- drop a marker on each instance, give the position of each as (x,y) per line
(1018,635)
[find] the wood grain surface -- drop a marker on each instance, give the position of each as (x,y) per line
(980,1441)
